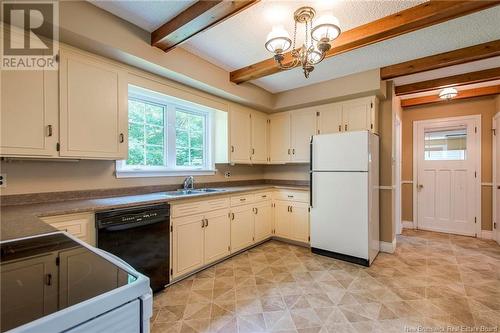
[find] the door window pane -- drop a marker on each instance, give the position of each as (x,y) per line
(445,145)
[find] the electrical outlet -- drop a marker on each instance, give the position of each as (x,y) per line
(227,174)
(3,180)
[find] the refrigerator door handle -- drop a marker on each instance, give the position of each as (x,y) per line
(311,172)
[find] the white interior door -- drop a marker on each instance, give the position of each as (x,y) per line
(496,175)
(448,178)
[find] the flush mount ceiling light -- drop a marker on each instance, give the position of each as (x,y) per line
(316,43)
(448,93)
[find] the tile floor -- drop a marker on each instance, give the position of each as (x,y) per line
(432,281)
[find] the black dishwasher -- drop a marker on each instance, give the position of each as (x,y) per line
(141,237)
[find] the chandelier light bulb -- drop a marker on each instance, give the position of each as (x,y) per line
(448,93)
(326,28)
(278,40)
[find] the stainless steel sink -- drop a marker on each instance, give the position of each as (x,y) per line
(194,192)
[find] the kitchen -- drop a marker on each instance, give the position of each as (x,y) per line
(237,223)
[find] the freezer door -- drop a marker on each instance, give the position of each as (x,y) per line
(339,214)
(341,151)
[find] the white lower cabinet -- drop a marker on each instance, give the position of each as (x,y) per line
(187,244)
(291,215)
(242,227)
(299,220)
(282,227)
(263,221)
(217,236)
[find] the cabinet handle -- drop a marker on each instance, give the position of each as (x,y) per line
(288,209)
(49,130)
(232,216)
(253,151)
(293,151)
(206,222)
(288,151)
(264,196)
(340,128)
(291,209)
(290,196)
(232,149)
(122,138)
(203,223)
(256,210)
(243,199)
(48,279)
(345,127)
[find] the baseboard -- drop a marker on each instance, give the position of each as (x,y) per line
(486,234)
(407,224)
(388,247)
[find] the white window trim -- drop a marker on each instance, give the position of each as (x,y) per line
(124,171)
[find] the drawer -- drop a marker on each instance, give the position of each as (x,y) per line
(199,207)
(300,196)
(215,204)
(76,228)
(243,199)
(263,196)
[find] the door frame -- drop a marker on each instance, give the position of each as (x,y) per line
(496,182)
(398,173)
(477,204)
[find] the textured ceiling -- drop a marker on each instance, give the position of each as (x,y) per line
(239,41)
(146,14)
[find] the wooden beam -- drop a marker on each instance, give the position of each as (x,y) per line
(418,17)
(456,57)
(463,94)
(450,81)
(200,16)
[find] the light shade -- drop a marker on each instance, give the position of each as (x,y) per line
(326,28)
(448,93)
(278,40)
(315,56)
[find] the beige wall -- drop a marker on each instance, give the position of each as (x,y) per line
(48,176)
(483,106)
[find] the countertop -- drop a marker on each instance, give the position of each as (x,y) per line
(23,220)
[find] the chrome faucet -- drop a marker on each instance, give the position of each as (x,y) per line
(189,183)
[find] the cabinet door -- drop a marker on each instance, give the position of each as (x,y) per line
(259,137)
(282,219)
(93,113)
(300,221)
(330,118)
(302,129)
(29,290)
(242,228)
(217,236)
(263,221)
(29,112)
(279,138)
(187,244)
(240,134)
(356,115)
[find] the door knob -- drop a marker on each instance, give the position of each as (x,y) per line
(420,186)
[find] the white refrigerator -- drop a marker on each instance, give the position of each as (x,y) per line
(345,196)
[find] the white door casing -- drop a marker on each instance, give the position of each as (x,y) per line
(447,189)
(496,176)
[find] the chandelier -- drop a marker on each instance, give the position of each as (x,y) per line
(316,43)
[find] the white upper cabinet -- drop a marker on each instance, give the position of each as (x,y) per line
(279,138)
(303,127)
(259,137)
(29,111)
(330,118)
(93,108)
(354,115)
(240,137)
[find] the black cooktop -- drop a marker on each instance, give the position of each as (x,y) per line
(45,274)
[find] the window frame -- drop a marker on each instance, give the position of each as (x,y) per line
(170,105)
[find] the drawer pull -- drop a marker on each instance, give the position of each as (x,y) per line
(264,196)
(290,196)
(243,199)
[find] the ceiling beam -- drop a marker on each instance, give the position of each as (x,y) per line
(451,58)
(418,17)
(200,16)
(463,94)
(450,81)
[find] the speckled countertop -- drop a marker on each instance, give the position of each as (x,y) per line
(23,220)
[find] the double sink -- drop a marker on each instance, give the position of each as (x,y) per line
(189,192)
